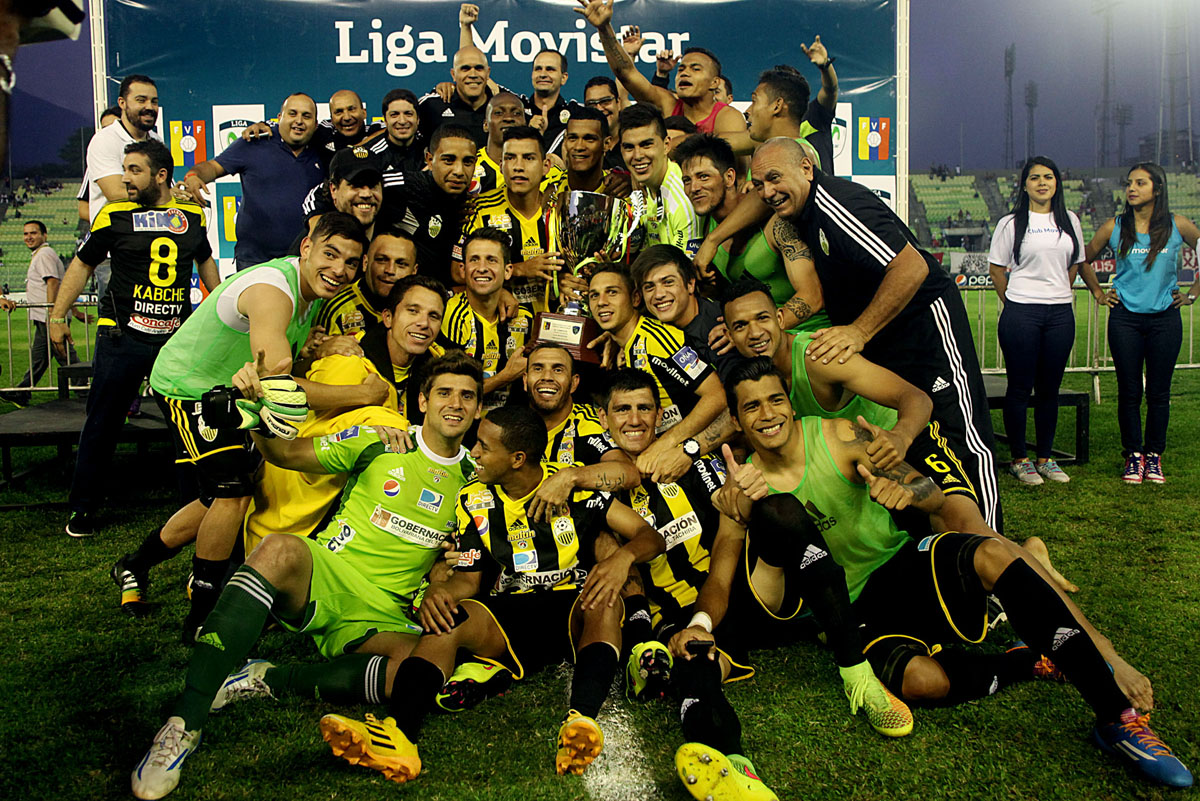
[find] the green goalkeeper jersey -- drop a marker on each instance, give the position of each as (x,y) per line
(397,508)
(805,403)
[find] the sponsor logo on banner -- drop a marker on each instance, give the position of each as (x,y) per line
(843,162)
(230,131)
(874,134)
(188,146)
(971,270)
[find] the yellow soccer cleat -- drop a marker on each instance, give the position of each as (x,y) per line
(375,744)
(887,714)
(580,741)
(709,775)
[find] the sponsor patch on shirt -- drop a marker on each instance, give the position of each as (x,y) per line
(405,529)
(525,561)
(689,360)
(484,499)
(681,529)
(391,488)
(345,434)
(430,500)
(171,221)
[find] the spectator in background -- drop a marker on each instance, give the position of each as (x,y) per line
(1145,328)
(41,286)
(1035,253)
(276,176)
(723,93)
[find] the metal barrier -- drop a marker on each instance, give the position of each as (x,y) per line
(83,349)
(1091,356)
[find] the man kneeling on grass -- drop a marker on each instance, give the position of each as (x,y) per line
(351,589)
(546,577)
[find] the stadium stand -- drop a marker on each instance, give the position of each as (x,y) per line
(60,213)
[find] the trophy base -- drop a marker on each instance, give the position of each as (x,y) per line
(571,331)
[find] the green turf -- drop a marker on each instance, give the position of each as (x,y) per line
(86,688)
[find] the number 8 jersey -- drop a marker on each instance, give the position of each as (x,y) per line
(153,249)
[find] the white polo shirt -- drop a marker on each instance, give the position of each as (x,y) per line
(105,157)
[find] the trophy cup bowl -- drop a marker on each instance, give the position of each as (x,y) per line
(591,227)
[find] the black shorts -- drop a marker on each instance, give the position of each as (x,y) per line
(536,626)
(931,455)
(926,595)
(224,459)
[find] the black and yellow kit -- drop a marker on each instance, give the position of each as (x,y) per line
(658,349)
(579,438)
(531,237)
(152,250)
(682,512)
(405,380)
(491,343)
(354,308)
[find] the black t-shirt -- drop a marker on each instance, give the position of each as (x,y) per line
(152,250)
(821,119)
(330,140)
(435,112)
(415,203)
(396,159)
(695,334)
(556,121)
(853,236)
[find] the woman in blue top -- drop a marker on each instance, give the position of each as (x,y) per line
(1144,327)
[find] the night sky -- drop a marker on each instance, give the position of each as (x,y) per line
(957,73)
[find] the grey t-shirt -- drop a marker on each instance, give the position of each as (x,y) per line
(43,265)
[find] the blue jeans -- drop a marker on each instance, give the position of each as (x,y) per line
(118,367)
(1036,340)
(1150,341)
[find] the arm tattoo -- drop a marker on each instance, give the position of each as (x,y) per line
(718,431)
(799,307)
(789,241)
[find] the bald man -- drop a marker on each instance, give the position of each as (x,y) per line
(887,298)
(468,105)
(347,124)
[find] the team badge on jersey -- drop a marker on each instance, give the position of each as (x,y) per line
(564,531)
(435,226)
(563,116)
(824,243)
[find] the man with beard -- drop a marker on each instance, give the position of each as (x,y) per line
(152,241)
(402,148)
(276,176)
(887,299)
(390,257)
(573,430)
(467,106)
(138,102)
(355,187)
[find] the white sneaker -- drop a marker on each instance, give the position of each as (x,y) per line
(1024,471)
(244,683)
(1050,471)
(158,772)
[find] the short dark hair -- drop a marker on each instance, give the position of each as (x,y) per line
(628,379)
(786,82)
(640,115)
(156,153)
(41,225)
(130,80)
(393,230)
(401,288)
(658,255)
(705,145)
(521,431)
(728,84)
(601,267)
(521,132)
(546,345)
(490,234)
(590,115)
(707,54)
(749,370)
(393,96)
(453,362)
(449,132)
(601,80)
(742,287)
(339,223)
(678,122)
(562,58)
(111,111)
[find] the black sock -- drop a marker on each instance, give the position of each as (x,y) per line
(349,679)
(1043,621)
(705,714)
(785,537)
(151,552)
(208,577)
(230,631)
(976,675)
(414,691)
(638,628)
(595,669)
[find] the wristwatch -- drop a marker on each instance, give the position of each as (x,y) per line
(691,448)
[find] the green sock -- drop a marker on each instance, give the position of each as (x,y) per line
(349,679)
(226,637)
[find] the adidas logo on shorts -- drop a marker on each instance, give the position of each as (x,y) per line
(939,384)
(1061,636)
(811,554)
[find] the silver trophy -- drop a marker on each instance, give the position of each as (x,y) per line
(591,223)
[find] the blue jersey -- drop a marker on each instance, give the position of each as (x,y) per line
(1141,290)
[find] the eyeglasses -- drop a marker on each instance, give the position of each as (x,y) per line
(600,101)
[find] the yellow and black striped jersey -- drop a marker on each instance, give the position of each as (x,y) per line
(349,311)
(531,237)
(488,175)
(491,343)
(682,512)
(578,439)
(496,536)
(657,348)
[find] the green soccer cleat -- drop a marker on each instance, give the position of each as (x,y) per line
(471,684)
(709,775)
(580,741)
(375,744)
(648,672)
(887,714)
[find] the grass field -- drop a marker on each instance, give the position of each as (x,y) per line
(87,687)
